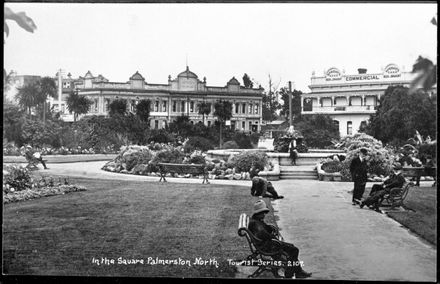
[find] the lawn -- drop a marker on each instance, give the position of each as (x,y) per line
(73,234)
(421,218)
(421,214)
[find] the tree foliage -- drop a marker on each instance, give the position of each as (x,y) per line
(78,104)
(318,130)
(27,97)
(396,118)
(296,102)
(270,102)
(204,109)
(118,107)
(223,111)
(247,82)
(143,110)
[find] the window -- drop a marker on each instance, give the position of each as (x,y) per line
(156,106)
(349,128)
(133,106)
(250,125)
(237,107)
(209,123)
(174,106)
(156,124)
(256,109)
(243,125)
(164,106)
(191,107)
(96,105)
(243,108)
(182,108)
(250,109)
(233,125)
(107,104)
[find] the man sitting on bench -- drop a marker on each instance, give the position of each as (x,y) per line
(262,187)
(396,179)
(266,233)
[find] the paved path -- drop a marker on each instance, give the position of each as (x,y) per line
(337,241)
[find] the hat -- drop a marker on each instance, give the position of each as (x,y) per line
(28,146)
(260,206)
(397,166)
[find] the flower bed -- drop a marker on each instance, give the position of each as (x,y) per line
(12,150)
(19,184)
(142,160)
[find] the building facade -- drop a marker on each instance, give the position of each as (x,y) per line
(351,99)
(180,96)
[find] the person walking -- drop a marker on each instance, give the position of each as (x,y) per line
(358,170)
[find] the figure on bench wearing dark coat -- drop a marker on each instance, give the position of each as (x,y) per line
(268,234)
(396,179)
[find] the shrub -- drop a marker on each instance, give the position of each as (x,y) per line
(196,159)
(174,155)
(230,145)
(16,178)
(379,159)
(136,158)
(160,136)
(243,141)
(332,167)
(198,143)
(244,161)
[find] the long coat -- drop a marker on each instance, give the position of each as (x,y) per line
(358,170)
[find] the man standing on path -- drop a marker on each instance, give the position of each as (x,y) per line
(358,170)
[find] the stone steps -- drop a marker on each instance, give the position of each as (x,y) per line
(298,172)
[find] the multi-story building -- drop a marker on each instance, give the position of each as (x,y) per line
(180,96)
(351,99)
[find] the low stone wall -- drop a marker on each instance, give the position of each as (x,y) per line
(271,175)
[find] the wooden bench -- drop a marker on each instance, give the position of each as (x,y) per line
(417,172)
(259,255)
(396,195)
(195,169)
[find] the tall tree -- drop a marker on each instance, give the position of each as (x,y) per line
(118,107)
(78,104)
(270,101)
(396,118)
(27,97)
(143,110)
(247,82)
(319,130)
(204,109)
(223,111)
(296,102)
(47,88)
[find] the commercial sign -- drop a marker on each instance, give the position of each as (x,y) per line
(361,77)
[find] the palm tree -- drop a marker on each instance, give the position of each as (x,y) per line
(77,104)
(26,97)
(204,108)
(47,88)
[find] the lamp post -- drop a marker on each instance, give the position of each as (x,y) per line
(290,104)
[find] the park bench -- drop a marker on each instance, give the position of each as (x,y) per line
(397,195)
(195,169)
(417,172)
(258,253)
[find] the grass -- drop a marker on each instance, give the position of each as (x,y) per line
(421,216)
(61,235)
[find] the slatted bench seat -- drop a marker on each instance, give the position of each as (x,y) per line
(195,169)
(397,195)
(260,256)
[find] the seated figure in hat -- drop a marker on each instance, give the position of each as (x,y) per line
(268,234)
(264,188)
(396,179)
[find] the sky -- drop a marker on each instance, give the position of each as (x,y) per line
(286,41)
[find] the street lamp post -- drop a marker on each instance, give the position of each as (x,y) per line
(290,104)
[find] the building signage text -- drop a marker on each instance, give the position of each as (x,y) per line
(362,77)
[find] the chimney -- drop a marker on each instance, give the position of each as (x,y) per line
(362,71)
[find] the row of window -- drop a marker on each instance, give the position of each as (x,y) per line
(234,124)
(180,106)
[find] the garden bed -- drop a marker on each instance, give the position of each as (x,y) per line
(34,193)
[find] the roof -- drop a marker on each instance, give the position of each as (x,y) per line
(233,81)
(187,74)
(137,76)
